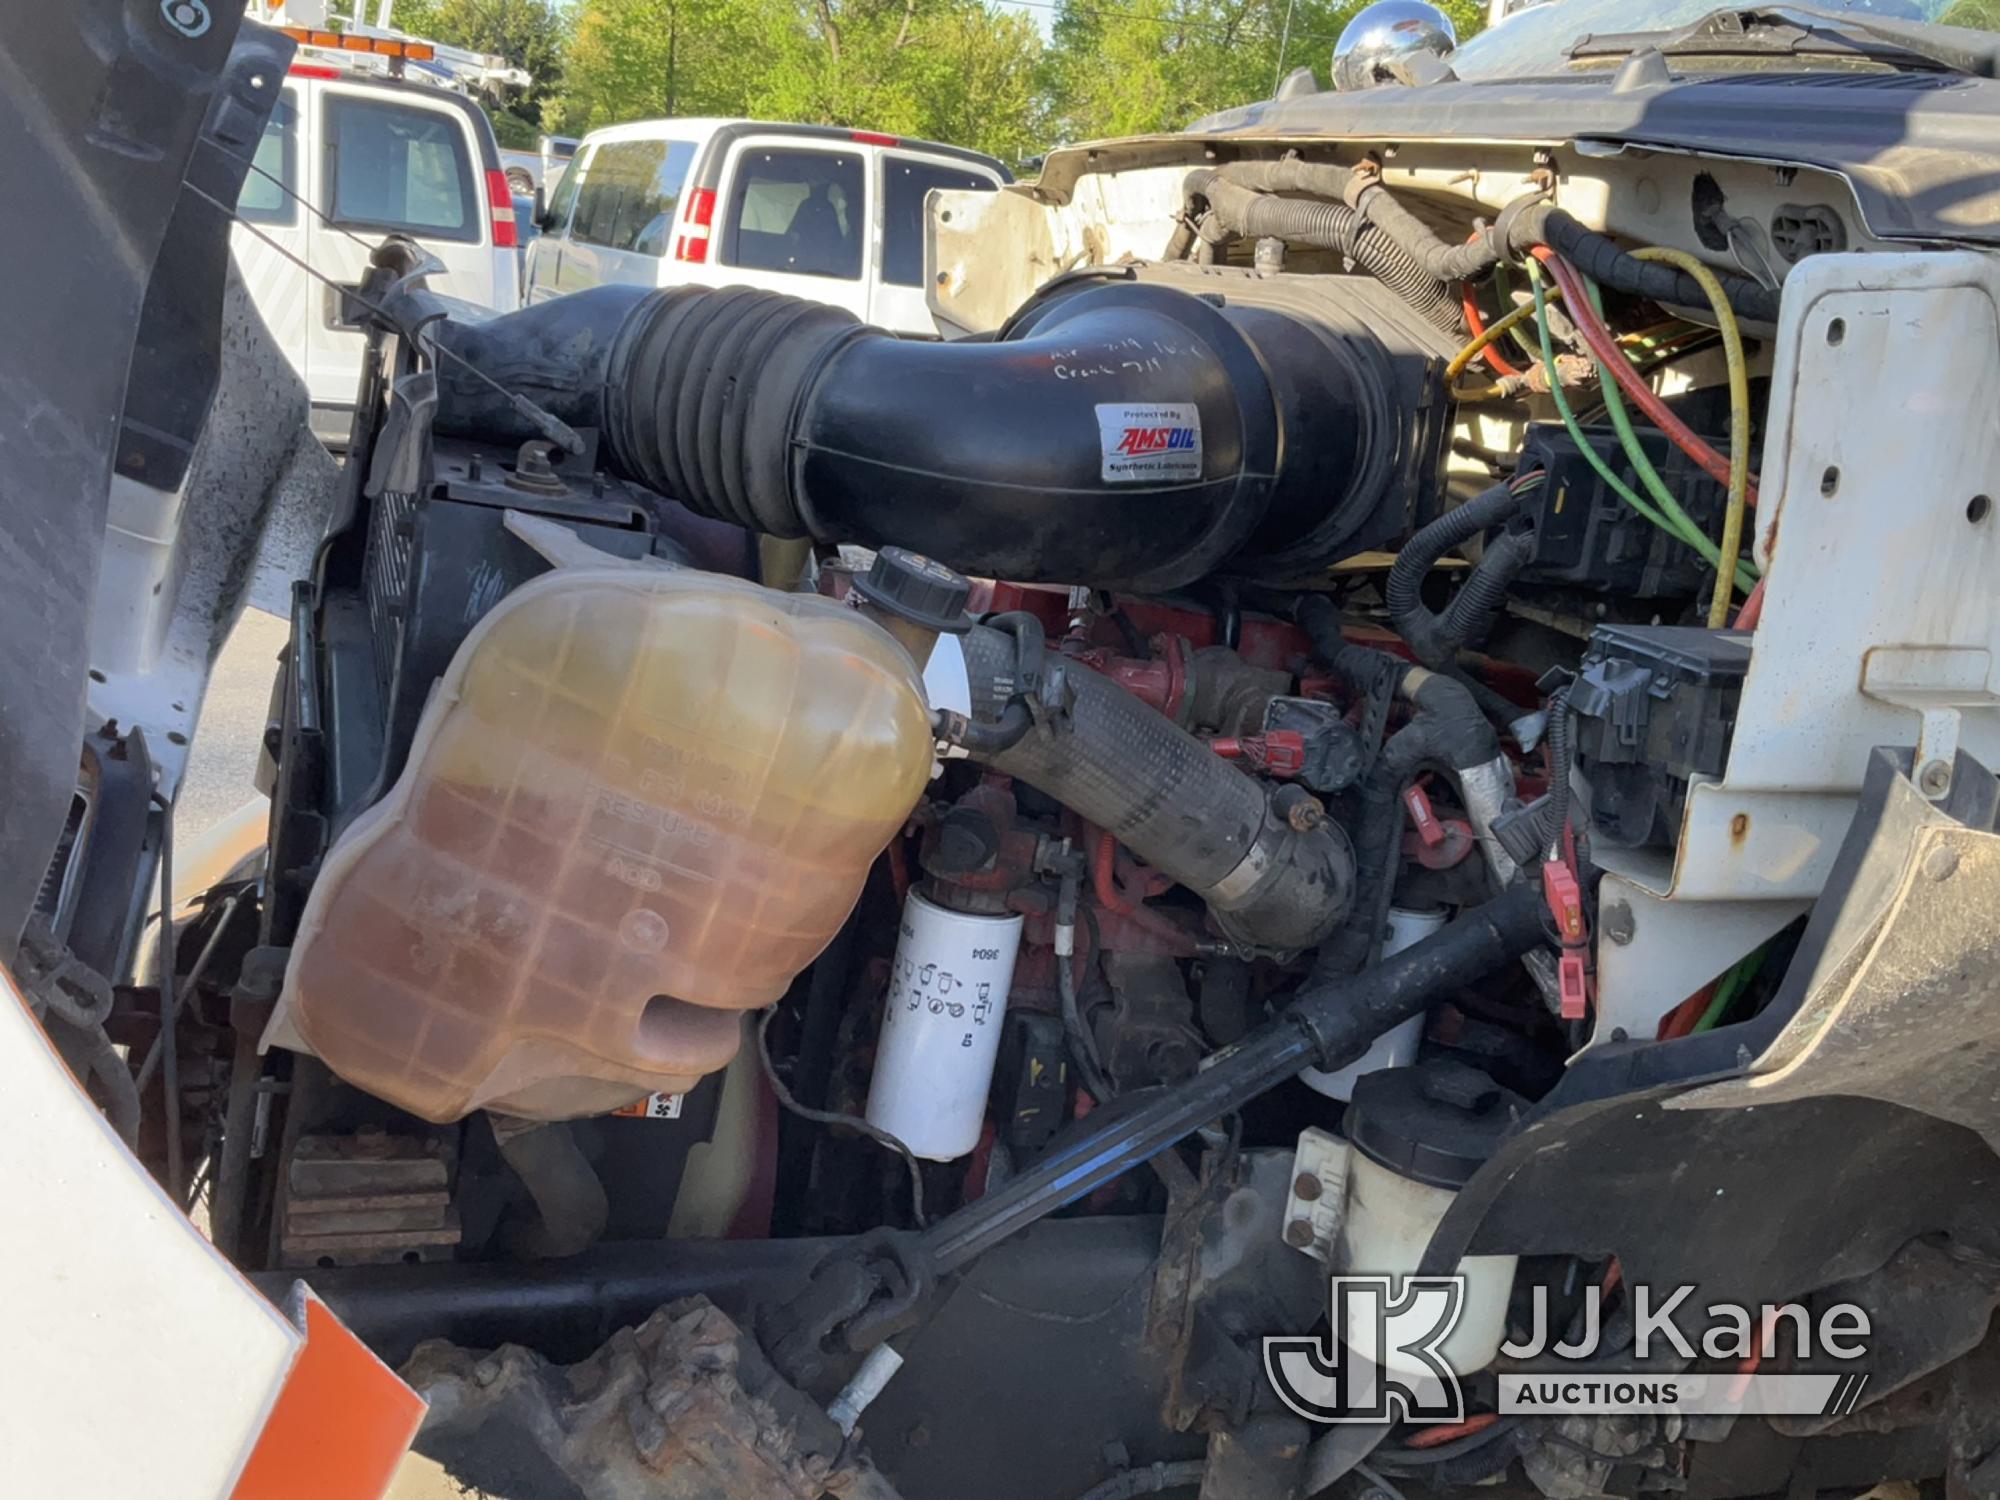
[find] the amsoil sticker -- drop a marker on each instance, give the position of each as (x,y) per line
(1144,443)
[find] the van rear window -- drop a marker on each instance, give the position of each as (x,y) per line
(796,211)
(267,189)
(905,186)
(397,167)
(631,192)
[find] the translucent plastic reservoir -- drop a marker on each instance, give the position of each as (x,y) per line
(638,804)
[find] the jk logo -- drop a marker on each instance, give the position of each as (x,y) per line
(1381,1359)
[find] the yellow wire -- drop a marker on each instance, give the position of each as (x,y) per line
(1739,424)
(1494,331)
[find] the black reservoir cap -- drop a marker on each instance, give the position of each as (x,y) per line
(1438,1122)
(919,589)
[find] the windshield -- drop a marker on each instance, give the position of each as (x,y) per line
(1537,40)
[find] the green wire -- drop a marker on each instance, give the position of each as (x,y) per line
(1740,974)
(1621,421)
(1617,486)
(1517,333)
(1584,445)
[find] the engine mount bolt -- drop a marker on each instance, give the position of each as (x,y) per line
(1299,1234)
(1307,1188)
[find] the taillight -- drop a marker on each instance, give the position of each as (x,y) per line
(871,138)
(505,234)
(692,245)
(312,70)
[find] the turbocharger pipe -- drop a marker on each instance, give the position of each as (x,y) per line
(1169,799)
(1114,433)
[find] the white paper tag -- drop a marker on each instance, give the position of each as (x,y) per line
(1148,443)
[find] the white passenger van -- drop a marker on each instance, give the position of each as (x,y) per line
(373,154)
(829,214)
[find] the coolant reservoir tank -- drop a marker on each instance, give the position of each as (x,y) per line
(638,804)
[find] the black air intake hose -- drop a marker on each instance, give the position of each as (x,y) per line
(1170,799)
(1114,433)
(1242,205)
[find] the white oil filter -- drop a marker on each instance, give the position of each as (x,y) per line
(941,1027)
(1396,1047)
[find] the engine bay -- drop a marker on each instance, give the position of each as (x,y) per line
(1402,702)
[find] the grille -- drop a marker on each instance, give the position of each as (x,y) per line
(386,571)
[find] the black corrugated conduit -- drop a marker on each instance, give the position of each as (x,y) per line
(1473,609)
(1429,635)
(1240,207)
(1520,226)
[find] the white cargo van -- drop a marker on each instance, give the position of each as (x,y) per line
(374,155)
(825,213)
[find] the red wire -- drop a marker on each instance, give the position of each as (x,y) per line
(1104,874)
(1752,610)
(1435,1437)
(899,868)
(1740,1386)
(1605,348)
(1477,324)
(1115,899)
(1679,1021)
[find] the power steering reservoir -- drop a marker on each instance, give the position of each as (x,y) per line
(1416,1136)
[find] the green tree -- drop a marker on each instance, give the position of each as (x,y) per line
(1132,67)
(530,34)
(951,70)
(954,70)
(646,59)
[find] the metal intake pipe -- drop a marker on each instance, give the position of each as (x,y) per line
(1171,800)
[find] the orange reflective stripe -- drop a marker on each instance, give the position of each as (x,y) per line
(340,1426)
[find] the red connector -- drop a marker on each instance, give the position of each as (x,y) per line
(1564,894)
(1280,753)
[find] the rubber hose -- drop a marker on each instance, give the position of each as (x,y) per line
(1246,212)
(571,1208)
(121,1093)
(1372,203)
(984,740)
(1377,831)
